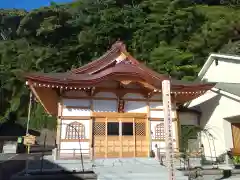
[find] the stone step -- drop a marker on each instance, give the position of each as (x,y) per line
(139,176)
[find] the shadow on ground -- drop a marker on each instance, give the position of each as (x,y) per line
(14,169)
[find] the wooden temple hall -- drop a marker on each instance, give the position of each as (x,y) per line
(111,107)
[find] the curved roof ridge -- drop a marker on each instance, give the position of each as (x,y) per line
(111,55)
(116,48)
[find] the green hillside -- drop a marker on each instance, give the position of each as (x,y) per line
(172,37)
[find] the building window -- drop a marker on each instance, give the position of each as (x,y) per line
(113,129)
(75,130)
(127,129)
(159,131)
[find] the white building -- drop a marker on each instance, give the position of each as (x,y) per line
(220,106)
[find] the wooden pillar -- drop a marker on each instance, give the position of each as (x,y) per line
(120,137)
(177,129)
(148,130)
(106,138)
(91,133)
(134,137)
(59,130)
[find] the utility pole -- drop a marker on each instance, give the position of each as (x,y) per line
(27,130)
(167,108)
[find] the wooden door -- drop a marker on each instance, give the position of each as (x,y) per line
(99,137)
(120,137)
(128,137)
(113,138)
(141,142)
(236,135)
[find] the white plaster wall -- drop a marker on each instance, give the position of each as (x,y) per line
(225,71)
(135,106)
(156,105)
(105,105)
(187,118)
(159,114)
(214,112)
(68,147)
(201,99)
(86,123)
(76,102)
(76,112)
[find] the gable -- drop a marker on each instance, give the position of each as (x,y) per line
(221,68)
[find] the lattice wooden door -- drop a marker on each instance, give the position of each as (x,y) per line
(141,142)
(99,139)
(128,144)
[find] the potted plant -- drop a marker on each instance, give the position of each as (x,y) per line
(236,162)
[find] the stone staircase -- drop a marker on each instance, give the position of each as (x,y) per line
(117,169)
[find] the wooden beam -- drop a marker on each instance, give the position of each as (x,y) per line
(42,94)
(75,117)
(119,115)
(121,91)
(107,98)
(32,88)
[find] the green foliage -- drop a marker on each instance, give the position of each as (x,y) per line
(188,132)
(39,119)
(173,37)
(236,159)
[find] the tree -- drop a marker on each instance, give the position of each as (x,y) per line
(173,37)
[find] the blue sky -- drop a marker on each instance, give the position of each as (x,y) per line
(28,4)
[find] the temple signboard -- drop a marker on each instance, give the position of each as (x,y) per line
(29,139)
(167,107)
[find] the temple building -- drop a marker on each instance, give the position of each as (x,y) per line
(112,106)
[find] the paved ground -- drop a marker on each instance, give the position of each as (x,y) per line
(117,169)
(5,157)
(10,164)
(114,169)
(218,177)
(215,174)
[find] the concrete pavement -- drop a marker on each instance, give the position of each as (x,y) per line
(11,164)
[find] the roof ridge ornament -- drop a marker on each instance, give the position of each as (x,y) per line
(119,45)
(121,58)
